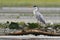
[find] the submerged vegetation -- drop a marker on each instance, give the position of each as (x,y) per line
(22,25)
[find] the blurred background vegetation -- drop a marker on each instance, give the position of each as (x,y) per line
(29,3)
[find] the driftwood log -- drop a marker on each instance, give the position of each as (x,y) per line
(35,32)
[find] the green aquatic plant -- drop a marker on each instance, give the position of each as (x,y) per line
(14,25)
(33,25)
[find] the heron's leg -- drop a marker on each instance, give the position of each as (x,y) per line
(40,23)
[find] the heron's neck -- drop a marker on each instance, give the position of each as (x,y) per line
(36,9)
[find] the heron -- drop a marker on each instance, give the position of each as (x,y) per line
(39,16)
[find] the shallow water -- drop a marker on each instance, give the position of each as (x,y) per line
(30,37)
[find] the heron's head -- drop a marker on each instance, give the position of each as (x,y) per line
(35,7)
